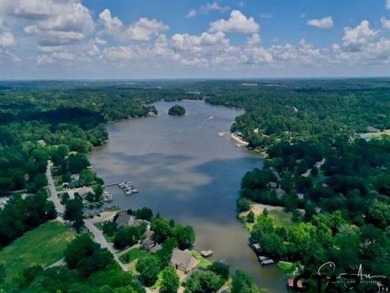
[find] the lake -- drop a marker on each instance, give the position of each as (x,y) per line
(184,170)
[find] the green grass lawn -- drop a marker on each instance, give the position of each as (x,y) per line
(287,267)
(132,255)
(100,227)
(281,218)
(42,246)
(203,262)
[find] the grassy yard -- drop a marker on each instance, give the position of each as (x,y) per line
(288,268)
(203,262)
(41,246)
(281,218)
(100,227)
(133,254)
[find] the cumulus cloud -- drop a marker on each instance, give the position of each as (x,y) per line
(142,30)
(326,22)
(54,22)
(356,37)
(237,22)
(385,23)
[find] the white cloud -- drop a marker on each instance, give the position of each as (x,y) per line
(359,36)
(197,44)
(7,40)
(237,22)
(191,13)
(206,8)
(388,4)
(142,30)
(214,6)
(326,22)
(54,22)
(385,23)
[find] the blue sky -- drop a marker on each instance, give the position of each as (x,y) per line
(129,39)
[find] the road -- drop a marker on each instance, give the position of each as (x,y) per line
(99,238)
(53,192)
(98,235)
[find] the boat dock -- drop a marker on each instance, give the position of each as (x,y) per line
(264,260)
(127,187)
(206,253)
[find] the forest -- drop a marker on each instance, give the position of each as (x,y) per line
(321,166)
(319,162)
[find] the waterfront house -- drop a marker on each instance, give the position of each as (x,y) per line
(181,260)
(124,219)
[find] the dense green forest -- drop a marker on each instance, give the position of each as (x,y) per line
(318,166)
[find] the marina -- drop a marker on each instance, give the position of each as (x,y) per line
(127,187)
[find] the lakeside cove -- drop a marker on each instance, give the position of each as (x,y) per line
(190,173)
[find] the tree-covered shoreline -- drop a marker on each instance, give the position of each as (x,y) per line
(317,162)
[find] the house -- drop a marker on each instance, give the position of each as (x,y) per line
(124,219)
(372,129)
(155,248)
(148,243)
(181,260)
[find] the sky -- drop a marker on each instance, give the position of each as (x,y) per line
(163,39)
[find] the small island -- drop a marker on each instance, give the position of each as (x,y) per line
(177,110)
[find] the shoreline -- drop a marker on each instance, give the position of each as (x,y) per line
(239,139)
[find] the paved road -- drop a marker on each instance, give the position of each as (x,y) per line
(98,235)
(99,238)
(53,192)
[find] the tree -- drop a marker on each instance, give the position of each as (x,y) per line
(379,214)
(144,214)
(273,244)
(87,177)
(149,268)
(162,229)
(203,282)
(165,253)
(250,218)
(125,236)
(170,281)
(109,228)
(74,213)
(185,236)
(3,273)
(242,283)
(243,204)
(177,110)
(77,162)
(79,248)
(221,269)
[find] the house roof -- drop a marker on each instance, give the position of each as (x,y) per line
(125,219)
(181,258)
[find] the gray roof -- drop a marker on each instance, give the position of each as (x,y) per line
(181,259)
(125,219)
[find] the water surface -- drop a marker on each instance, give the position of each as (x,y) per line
(185,171)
